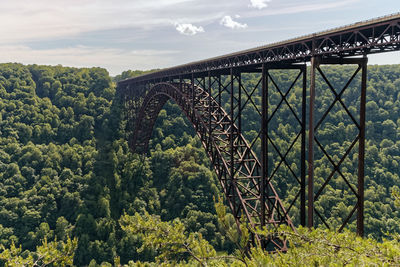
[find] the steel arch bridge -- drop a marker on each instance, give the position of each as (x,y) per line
(229,152)
(213,96)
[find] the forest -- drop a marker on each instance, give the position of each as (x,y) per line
(72,192)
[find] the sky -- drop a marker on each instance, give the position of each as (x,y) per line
(145,34)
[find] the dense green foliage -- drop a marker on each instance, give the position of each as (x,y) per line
(66,169)
(317,247)
(54,253)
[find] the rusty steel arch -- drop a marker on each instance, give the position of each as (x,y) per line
(238,170)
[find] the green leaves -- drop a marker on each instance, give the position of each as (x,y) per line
(324,247)
(48,254)
(168,239)
(306,247)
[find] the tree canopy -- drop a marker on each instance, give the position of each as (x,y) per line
(66,172)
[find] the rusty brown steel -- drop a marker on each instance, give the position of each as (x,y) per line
(246,182)
(361,151)
(360,139)
(237,167)
(310,210)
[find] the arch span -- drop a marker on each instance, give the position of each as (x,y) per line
(236,165)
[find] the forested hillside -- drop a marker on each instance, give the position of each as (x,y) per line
(66,169)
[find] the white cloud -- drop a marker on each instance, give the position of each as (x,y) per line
(260,4)
(113,59)
(28,20)
(188,29)
(49,20)
(228,22)
(113,34)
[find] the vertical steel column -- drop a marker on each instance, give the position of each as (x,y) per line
(135,99)
(209,109)
(303,150)
(264,144)
(239,100)
(128,99)
(361,151)
(231,143)
(314,64)
(193,96)
(219,90)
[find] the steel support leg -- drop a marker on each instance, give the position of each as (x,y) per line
(239,100)
(264,146)
(193,96)
(303,151)
(267,175)
(313,140)
(231,143)
(310,217)
(209,109)
(219,90)
(361,152)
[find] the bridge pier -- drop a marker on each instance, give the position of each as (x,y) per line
(268,172)
(314,142)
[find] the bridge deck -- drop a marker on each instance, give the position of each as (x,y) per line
(372,36)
